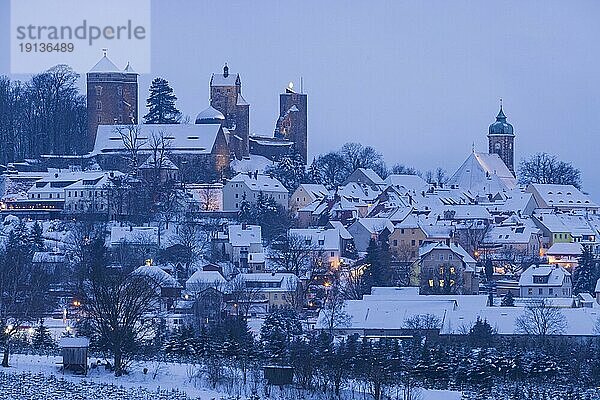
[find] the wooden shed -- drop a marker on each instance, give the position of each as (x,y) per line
(278,375)
(75,354)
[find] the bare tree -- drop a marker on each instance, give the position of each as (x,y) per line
(243,297)
(115,304)
(541,319)
(208,198)
(546,168)
(334,312)
(133,141)
(294,254)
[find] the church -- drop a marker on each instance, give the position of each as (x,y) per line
(219,134)
(487,174)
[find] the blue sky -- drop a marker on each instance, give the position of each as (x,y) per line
(418,80)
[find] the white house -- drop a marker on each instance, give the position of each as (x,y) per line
(365,229)
(248,186)
(263,291)
(561,197)
(239,241)
(545,281)
(202,280)
(565,255)
(327,243)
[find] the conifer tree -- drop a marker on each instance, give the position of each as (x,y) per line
(36,237)
(161,104)
(41,338)
(586,272)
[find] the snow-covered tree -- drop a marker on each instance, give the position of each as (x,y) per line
(586,273)
(41,338)
(161,104)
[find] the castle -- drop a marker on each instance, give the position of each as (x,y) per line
(221,132)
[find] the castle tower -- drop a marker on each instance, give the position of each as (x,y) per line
(291,124)
(112,96)
(226,97)
(501,139)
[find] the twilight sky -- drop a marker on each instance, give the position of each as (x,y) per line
(418,80)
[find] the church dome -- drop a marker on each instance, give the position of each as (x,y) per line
(501,127)
(210,116)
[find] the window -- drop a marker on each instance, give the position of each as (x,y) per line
(431,283)
(237,195)
(402,231)
(441,270)
(275,296)
(452,270)
(530,291)
(450,256)
(441,283)
(98,90)
(540,291)
(332,254)
(395,242)
(412,243)
(551,291)
(119,91)
(99,119)
(98,105)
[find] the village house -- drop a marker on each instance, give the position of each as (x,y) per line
(365,229)
(446,268)
(248,186)
(545,281)
(306,194)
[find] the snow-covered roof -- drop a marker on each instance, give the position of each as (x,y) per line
(376,225)
(259,182)
(209,114)
(105,65)
(454,247)
(365,176)
(388,309)
(162,278)
(407,182)
(202,279)
(344,234)
(597,289)
(565,249)
(241,101)
(250,164)
(322,239)
(73,342)
(555,274)
(136,235)
(268,281)
(315,189)
(568,196)
(483,173)
(244,235)
(48,257)
(510,233)
(223,80)
(198,138)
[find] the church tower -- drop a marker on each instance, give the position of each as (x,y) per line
(112,96)
(501,139)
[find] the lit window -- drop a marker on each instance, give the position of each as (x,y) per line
(441,283)
(431,283)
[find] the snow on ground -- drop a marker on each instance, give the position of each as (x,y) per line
(39,377)
(169,376)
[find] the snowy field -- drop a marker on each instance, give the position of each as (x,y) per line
(38,377)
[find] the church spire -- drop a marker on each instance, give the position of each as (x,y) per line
(501,117)
(225,71)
